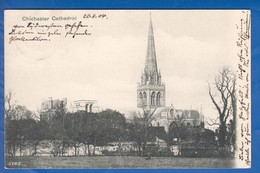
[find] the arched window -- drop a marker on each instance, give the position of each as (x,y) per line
(172,112)
(90,108)
(158,99)
(144,99)
(86,108)
(153,98)
(141,98)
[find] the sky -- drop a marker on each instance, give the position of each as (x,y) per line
(191,47)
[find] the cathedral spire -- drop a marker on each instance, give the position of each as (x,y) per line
(150,91)
(150,62)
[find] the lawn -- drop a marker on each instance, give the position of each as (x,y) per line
(117,162)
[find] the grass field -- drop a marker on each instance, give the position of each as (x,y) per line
(117,162)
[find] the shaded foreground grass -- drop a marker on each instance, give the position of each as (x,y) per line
(117,162)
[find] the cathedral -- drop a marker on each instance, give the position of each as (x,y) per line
(151,94)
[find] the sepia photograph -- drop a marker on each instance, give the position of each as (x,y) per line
(127,89)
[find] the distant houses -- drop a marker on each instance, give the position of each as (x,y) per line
(50,105)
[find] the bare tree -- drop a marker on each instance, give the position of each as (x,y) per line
(8,115)
(16,111)
(8,105)
(223,96)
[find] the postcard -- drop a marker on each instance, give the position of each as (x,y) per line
(127,88)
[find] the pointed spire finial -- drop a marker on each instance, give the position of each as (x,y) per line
(150,62)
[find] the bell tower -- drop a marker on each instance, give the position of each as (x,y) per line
(150,91)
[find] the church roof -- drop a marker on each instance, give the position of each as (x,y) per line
(192,114)
(163,109)
(150,62)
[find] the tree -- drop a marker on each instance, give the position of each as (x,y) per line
(26,132)
(56,130)
(54,119)
(72,129)
(19,132)
(113,125)
(10,135)
(18,123)
(21,112)
(141,128)
(95,128)
(38,132)
(87,129)
(109,126)
(8,106)
(15,111)
(137,130)
(223,96)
